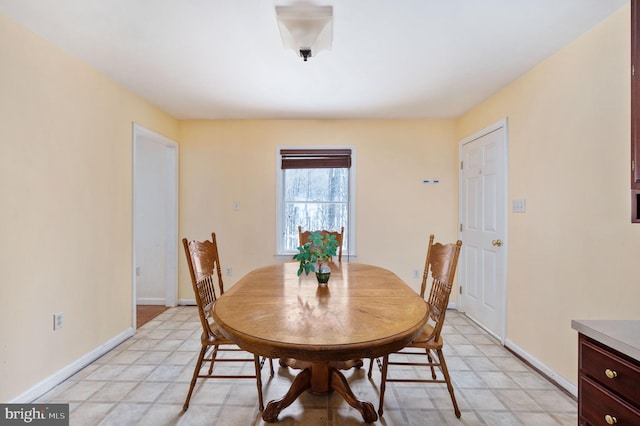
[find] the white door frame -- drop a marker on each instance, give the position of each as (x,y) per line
(501,333)
(171,187)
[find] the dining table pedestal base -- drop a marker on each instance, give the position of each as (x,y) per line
(319,378)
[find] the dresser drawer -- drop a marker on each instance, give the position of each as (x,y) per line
(596,403)
(612,371)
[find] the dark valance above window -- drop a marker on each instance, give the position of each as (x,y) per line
(316,158)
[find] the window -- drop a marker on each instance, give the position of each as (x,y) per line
(315,191)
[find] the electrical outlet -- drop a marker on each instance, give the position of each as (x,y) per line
(416,273)
(229,271)
(57,320)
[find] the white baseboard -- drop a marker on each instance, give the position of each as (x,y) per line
(544,369)
(187,302)
(151,301)
(68,371)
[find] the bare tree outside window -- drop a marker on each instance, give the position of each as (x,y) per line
(314,199)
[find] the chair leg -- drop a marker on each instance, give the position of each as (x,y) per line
(383,383)
(203,350)
(271,367)
(256,360)
(445,372)
(214,353)
(433,370)
(370,367)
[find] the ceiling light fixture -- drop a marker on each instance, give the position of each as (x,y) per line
(305,28)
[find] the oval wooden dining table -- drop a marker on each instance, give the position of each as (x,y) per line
(364,312)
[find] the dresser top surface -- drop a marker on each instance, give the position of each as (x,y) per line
(621,335)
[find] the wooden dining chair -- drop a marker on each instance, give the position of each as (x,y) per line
(205,270)
(303,237)
(441,262)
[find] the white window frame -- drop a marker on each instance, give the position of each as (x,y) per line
(350,229)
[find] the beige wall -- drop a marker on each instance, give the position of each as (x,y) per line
(65,180)
(574,253)
(225,161)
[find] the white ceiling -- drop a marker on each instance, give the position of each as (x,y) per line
(390,58)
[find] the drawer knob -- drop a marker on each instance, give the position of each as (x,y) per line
(610,420)
(612,375)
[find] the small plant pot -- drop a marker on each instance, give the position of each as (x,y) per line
(323,277)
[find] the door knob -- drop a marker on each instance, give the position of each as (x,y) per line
(497,243)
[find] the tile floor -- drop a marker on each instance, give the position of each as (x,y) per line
(144,382)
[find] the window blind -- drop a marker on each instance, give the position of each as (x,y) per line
(315,158)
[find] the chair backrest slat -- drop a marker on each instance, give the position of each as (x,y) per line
(207,295)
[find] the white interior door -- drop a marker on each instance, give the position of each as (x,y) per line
(155,218)
(483,207)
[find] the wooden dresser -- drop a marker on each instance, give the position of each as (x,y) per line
(608,372)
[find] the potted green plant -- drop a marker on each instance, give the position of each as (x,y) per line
(314,255)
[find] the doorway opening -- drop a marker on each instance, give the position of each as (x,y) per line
(155,220)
